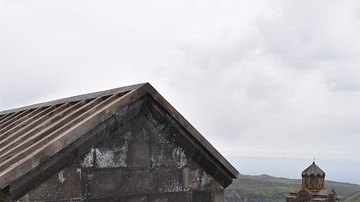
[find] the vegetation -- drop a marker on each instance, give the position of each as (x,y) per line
(265,188)
(352,198)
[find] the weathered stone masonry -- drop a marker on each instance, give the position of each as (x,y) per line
(138,161)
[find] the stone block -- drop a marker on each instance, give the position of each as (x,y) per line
(66,184)
(161,155)
(218,196)
(208,183)
(109,199)
(171,197)
(168,179)
(139,148)
(136,198)
(119,181)
(101,183)
(201,196)
(141,181)
(191,178)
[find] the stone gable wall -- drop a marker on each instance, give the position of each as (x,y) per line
(138,162)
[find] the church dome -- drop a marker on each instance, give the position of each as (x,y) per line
(313,170)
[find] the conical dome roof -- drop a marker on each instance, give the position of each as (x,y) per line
(313,169)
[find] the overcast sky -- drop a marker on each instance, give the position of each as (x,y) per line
(266,82)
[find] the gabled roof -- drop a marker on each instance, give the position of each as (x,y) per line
(314,170)
(321,192)
(326,191)
(319,195)
(299,190)
(31,135)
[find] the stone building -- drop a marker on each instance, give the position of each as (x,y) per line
(312,188)
(124,144)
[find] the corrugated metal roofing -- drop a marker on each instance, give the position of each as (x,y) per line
(30,135)
(23,132)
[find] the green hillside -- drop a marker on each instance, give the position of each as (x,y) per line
(265,188)
(352,198)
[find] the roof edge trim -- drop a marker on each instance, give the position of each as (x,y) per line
(147,88)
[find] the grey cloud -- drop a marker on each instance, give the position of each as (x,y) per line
(220,49)
(252,77)
(345,78)
(304,33)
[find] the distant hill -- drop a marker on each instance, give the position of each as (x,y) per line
(352,198)
(265,188)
